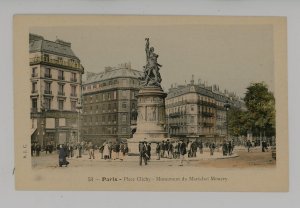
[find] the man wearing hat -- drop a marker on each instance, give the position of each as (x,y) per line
(158,151)
(149,150)
(143,152)
(162,149)
(182,151)
(122,151)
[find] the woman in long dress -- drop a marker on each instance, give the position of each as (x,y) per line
(106,151)
(62,157)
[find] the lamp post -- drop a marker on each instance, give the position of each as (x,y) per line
(78,107)
(227,107)
(41,140)
(168,125)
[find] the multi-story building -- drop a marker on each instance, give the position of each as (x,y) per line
(56,75)
(198,111)
(110,103)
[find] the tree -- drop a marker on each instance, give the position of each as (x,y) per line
(236,122)
(260,103)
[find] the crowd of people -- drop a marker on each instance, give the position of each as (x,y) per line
(36,149)
(227,147)
(108,150)
(113,150)
(176,149)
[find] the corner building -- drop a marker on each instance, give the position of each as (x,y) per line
(110,104)
(55,77)
(195,111)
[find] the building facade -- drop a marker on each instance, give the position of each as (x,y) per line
(196,111)
(55,77)
(110,103)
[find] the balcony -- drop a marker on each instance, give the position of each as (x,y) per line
(205,103)
(207,114)
(73,79)
(207,125)
(33,110)
(173,115)
(54,62)
(48,92)
(61,93)
(48,76)
(61,78)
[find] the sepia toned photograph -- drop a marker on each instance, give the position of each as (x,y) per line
(150,103)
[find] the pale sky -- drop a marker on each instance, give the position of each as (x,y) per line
(231,56)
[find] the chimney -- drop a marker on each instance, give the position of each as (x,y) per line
(34,37)
(61,42)
(192,80)
(89,75)
(107,68)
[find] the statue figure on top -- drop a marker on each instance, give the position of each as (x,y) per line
(151,70)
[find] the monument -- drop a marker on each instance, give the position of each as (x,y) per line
(151,105)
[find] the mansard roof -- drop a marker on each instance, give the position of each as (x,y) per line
(39,44)
(111,74)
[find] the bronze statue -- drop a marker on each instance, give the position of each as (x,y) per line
(151,70)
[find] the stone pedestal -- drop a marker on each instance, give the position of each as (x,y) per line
(151,118)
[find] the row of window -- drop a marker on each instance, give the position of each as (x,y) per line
(200,98)
(184,130)
(183,109)
(112,95)
(105,118)
(48,74)
(107,107)
(61,88)
(111,83)
(190,119)
(47,104)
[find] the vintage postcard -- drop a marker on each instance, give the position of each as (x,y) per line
(150,103)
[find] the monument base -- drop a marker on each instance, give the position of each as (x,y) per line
(151,119)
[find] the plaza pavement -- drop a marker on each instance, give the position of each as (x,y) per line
(205,156)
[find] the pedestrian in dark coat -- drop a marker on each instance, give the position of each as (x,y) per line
(168,148)
(249,145)
(171,150)
(194,149)
(117,150)
(62,158)
(162,149)
(201,147)
(158,151)
(38,149)
(143,152)
(224,148)
(101,150)
(122,151)
(264,146)
(212,147)
(229,147)
(149,150)
(32,149)
(182,151)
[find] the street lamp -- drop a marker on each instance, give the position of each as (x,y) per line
(168,117)
(78,107)
(227,107)
(42,132)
